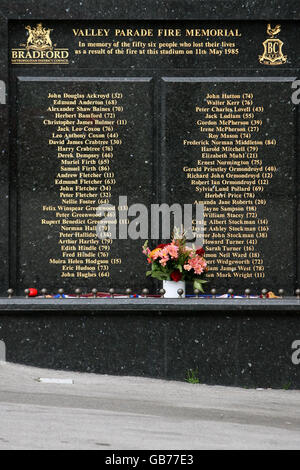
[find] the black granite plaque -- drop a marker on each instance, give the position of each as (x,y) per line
(83,143)
(230,154)
(188,106)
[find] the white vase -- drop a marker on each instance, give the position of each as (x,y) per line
(171,288)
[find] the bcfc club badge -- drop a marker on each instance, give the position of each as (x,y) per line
(272,54)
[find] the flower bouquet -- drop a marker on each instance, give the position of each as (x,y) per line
(175,261)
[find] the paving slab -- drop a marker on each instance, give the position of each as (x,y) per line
(134,413)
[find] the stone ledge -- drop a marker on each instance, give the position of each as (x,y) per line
(100,305)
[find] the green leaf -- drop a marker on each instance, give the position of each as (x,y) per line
(198,284)
(159,275)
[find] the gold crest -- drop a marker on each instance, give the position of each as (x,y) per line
(39,49)
(272,54)
(39,38)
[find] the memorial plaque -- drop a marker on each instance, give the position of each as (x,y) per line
(229,154)
(196,111)
(91,135)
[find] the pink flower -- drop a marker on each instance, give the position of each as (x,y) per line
(197,263)
(156,255)
(164,260)
(187,267)
(172,250)
(163,254)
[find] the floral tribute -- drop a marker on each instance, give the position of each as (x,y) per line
(175,261)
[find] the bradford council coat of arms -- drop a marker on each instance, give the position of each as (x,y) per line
(272,54)
(39,38)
